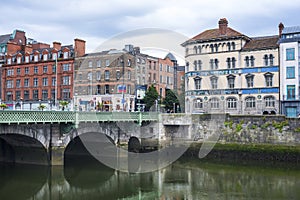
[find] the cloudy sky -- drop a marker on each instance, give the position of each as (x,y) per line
(99,20)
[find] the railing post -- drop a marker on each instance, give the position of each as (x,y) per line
(76,119)
(140,118)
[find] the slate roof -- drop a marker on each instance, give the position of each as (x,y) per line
(171,57)
(261,43)
(293,29)
(4,38)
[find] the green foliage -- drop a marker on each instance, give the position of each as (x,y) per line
(150,96)
(3,106)
(228,124)
(64,104)
(280,125)
(42,107)
(253,126)
(297,130)
(170,99)
(265,125)
(239,126)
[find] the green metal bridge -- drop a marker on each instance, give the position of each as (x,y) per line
(75,117)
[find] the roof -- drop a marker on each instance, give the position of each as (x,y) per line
(171,57)
(215,34)
(293,29)
(261,43)
(4,38)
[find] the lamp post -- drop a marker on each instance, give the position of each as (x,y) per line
(123,86)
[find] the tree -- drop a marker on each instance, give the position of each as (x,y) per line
(64,104)
(41,107)
(169,101)
(150,96)
(3,106)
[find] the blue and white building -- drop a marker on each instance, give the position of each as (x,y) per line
(290,70)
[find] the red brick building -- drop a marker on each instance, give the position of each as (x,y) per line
(35,74)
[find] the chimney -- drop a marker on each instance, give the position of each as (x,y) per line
(223,23)
(57,45)
(79,47)
(281,27)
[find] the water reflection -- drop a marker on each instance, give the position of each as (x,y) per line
(182,180)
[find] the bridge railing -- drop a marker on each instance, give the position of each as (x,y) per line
(17,116)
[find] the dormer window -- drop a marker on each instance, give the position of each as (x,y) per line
(9,61)
(36,58)
(27,59)
(66,55)
(54,56)
(18,60)
(45,57)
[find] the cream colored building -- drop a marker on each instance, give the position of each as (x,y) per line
(229,72)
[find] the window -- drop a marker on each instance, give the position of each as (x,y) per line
(291,92)
(269,79)
(290,54)
(228,63)
(89,76)
(199,65)
(106,74)
(247,61)
(271,57)
(250,102)
(18,95)
(214,63)
(266,60)
(197,83)
(45,81)
(53,91)
(195,65)
(66,67)
(9,61)
(66,94)
(66,55)
(129,75)
(90,63)
(233,60)
(198,103)
(270,101)
(35,82)
(128,62)
(35,95)
(214,82)
(118,74)
(160,67)
(45,57)
(26,82)
(18,83)
(53,81)
(26,70)
(98,89)
(9,84)
(36,58)
(53,69)
(45,69)
(98,63)
(233,46)
(252,61)
(107,63)
(27,59)
(106,89)
(231,80)
(129,89)
(54,56)
(160,79)
(228,46)
(18,60)
(250,80)
(9,96)
(35,69)
(290,72)
(26,95)
(66,80)
(214,103)
(195,50)
(231,103)
(98,75)
(10,72)
(18,71)
(44,94)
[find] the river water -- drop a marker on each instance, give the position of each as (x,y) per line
(188,179)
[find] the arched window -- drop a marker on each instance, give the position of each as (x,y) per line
(199,65)
(271,57)
(270,101)
(199,49)
(197,81)
(195,65)
(214,82)
(211,48)
(198,103)
(228,46)
(250,102)
(266,60)
(269,79)
(195,50)
(232,46)
(216,48)
(231,80)
(233,62)
(231,103)
(247,63)
(214,103)
(228,63)
(252,61)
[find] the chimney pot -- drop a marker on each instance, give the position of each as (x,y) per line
(223,23)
